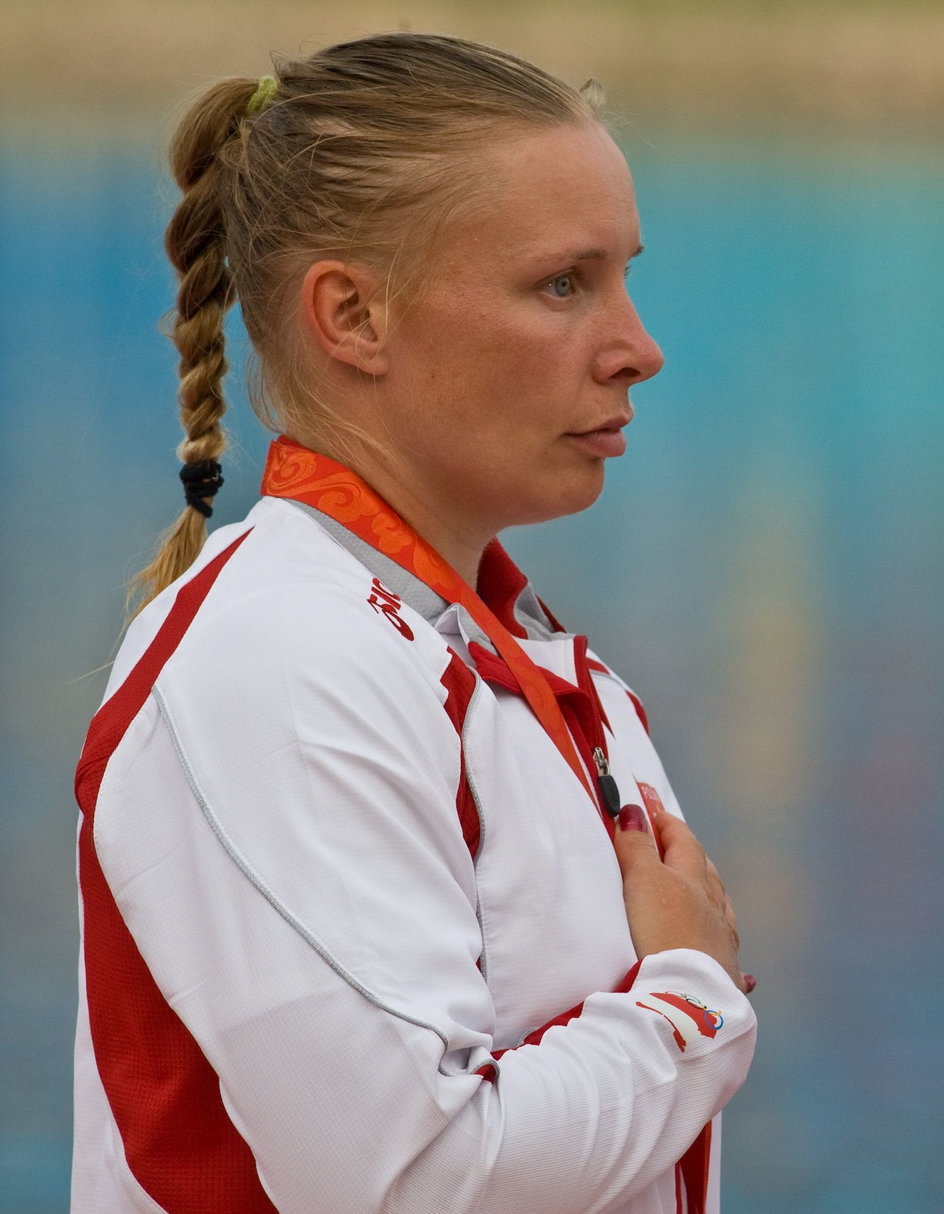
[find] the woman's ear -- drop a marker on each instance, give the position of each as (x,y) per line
(343,309)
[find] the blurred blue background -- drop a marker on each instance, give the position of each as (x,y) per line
(765,568)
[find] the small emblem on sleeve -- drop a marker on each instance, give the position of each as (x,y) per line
(688,1016)
(387,604)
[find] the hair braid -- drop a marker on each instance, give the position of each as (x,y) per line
(196,245)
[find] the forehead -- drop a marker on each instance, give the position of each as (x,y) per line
(538,191)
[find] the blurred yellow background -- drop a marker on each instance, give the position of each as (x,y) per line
(741,61)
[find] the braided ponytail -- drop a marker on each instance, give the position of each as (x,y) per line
(196,245)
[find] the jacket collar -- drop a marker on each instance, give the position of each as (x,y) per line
(502,586)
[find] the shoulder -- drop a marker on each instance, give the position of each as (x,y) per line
(290,613)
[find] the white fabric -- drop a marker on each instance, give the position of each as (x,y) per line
(278,828)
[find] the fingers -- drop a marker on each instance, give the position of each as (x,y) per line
(633,839)
(663,836)
(679,846)
(731,919)
(678,900)
(713,875)
(719,895)
(632,818)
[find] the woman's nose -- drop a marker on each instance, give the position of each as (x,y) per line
(632,356)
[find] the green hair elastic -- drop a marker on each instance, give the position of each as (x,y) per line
(262,98)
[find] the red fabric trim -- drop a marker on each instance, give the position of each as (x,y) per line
(459,682)
(694,1166)
(494,669)
(500,583)
(628,981)
(588,687)
(575,704)
(468,814)
(593,664)
(582,723)
(164,1095)
(116,714)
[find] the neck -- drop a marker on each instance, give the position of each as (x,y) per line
(415,501)
(451,541)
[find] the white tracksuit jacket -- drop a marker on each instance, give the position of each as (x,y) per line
(331,879)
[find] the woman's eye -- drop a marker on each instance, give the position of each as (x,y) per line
(562,286)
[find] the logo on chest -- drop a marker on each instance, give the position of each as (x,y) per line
(387,604)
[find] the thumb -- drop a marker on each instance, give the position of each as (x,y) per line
(632,839)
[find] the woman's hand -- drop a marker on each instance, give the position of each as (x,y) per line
(677,901)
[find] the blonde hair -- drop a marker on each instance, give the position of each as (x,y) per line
(356,152)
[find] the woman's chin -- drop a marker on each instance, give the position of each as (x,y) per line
(569,495)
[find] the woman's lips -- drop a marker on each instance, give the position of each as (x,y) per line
(607,442)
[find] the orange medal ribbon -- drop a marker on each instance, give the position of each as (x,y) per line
(295,472)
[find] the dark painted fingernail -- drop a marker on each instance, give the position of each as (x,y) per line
(749,982)
(632,817)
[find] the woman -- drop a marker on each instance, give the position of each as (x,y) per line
(361,932)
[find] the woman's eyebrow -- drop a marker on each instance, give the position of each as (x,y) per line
(592,254)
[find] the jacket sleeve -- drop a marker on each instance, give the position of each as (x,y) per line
(279,832)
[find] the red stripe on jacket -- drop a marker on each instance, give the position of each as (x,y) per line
(164,1095)
(459,682)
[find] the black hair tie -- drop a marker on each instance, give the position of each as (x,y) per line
(201,480)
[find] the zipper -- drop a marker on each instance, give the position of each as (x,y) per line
(609,790)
